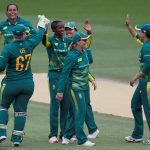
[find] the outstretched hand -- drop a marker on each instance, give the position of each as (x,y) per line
(127,21)
(43,22)
(136,77)
(94,84)
(87,26)
(132,82)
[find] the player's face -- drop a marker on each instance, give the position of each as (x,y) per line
(142,34)
(60,29)
(82,43)
(12,12)
(69,32)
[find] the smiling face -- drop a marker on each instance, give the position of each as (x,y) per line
(69,32)
(12,12)
(60,29)
(81,44)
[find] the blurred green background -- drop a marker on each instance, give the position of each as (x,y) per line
(115,52)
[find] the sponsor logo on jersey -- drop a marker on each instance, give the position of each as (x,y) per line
(8,34)
(60,50)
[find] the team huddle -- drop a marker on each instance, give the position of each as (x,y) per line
(70,55)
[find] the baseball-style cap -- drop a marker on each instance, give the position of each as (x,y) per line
(71,25)
(18,30)
(79,36)
(144,28)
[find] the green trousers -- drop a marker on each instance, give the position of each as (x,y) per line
(81,101)
(89,118)
(141,98)
(55,105)
(18,92)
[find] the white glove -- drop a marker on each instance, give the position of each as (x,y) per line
(43,22)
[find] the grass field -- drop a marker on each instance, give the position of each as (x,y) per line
(115,53)
(112,132)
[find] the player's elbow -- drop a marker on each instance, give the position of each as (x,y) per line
(2,67)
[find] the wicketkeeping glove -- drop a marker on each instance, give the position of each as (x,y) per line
(43,22)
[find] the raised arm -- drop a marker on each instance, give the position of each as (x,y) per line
(36,38)
(45,40)
(132,31)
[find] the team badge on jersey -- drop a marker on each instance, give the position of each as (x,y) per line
(22,51)
(80,59)
(56,44)
(4,28)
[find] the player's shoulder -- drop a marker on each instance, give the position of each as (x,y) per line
(23,21)
(146,46)
(3,24)
(73,53)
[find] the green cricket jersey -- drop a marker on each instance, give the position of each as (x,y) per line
(77,68)
(6,28)
(16,57)
(57,49)
(144,59)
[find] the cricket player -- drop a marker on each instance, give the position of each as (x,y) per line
(76,67)
(70,30)
(141,95)
(57,48)
(18,86)
(13,19)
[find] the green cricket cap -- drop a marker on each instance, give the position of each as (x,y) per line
(79,36)
(19,29)
(144,28)
(71,25)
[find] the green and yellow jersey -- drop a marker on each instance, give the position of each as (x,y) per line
(6,28)
(144,59)
(16,57)
(76,67)
(57,49)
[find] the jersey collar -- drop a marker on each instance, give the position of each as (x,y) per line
(18,19)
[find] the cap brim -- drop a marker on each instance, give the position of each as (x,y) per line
(138,27)
(69,27)
(86,37)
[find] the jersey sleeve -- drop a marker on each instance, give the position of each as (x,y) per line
(89,55)
(89,40)
(3,59)
(146,58)
(45,40)
(90,77)
(138,39)
(34,39)
(30,29)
